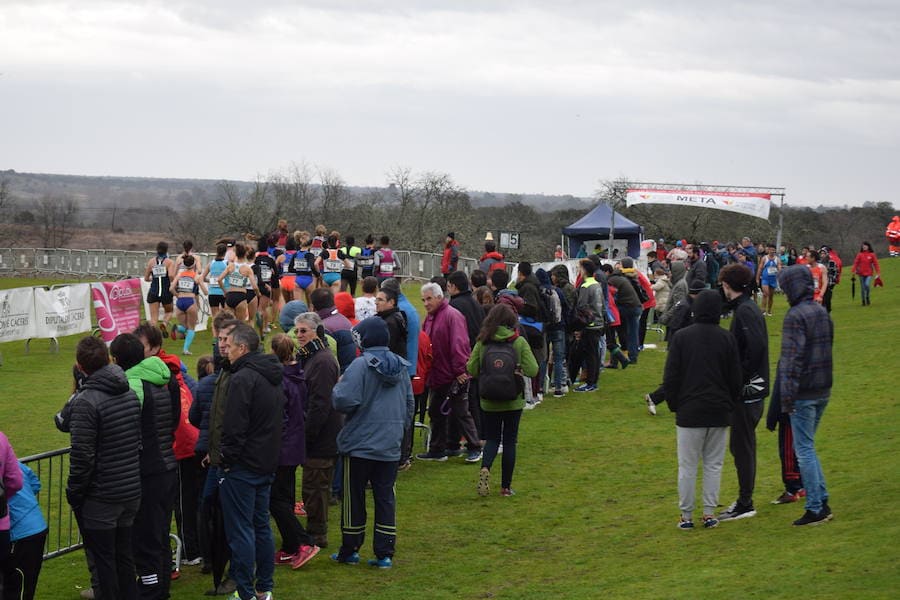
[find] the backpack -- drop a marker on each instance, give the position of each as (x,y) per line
(552,313)
(497,379)
(639,289)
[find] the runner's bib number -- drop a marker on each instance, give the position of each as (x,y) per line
(160,270)
(185,284)
(235,279)
(265,273)
(386,268)
(772,271)
(333,265)
(365,261)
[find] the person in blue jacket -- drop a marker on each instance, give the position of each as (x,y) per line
(376,396)
(27,532)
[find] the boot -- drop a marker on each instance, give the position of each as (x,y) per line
(621,357)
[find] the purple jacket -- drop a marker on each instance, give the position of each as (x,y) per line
(12,474)
(446,327)
(333,319)
(293,437)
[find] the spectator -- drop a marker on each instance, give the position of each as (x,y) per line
(364,306)
(865,265)
(27,533)
(450,257)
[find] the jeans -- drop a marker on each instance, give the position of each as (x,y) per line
(804,422)
(245,507)
(865,287)
(631,318)
(501,427)
(557,341)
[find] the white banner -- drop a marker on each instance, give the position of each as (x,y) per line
(748,203)
(17,314)
(63,310)
(202,308)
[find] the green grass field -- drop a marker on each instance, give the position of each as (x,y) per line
(596,507)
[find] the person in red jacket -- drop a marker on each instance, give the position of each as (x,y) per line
(865,265)
(892,233)
(451,255)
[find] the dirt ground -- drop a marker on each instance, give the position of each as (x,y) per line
(86,239)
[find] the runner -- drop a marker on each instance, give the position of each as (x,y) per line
(304,267)
(331,262)
(366,259)
(185,289)
(386,263)
(288,279)
(160,271)
(237,278)
(266,271)
(188,247)
(211,275)
(318,242)
(767,278)
(349,274)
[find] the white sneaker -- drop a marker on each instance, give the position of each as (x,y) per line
(529,405)
(540,398)
(651,406)
(565,389)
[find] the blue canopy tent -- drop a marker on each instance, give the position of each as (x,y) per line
(595,226)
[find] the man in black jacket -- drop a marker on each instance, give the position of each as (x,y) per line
(251,441)
(749,328)
(702,381)
(104,484)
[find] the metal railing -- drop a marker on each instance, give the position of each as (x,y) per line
(52,468)
(126,263)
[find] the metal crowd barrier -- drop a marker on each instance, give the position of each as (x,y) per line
(52,468)
(127,263)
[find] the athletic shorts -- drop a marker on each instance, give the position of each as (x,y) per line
(216,300)
(330,278)
(251,296)
(232,299)
(183,304)
(771,282)
(264,290)
(165,298)
(304,281)
(288,282)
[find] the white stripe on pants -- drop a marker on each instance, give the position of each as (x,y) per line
(694,444)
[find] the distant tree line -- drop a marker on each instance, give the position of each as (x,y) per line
(417,210)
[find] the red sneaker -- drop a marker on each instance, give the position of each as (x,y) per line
(304,555)
(283,558)
(299,509)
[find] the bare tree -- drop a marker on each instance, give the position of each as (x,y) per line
(250,212)
(57,216)
(334,196)
(295,194)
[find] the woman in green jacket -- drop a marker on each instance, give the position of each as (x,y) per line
(501,387)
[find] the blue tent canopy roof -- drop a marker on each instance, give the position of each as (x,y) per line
(595,225)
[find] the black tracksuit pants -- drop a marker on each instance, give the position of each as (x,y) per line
(742,444)
(382,474)
(150,534)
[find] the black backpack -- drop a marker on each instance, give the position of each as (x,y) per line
(498,380)
(553,311)
(638,289)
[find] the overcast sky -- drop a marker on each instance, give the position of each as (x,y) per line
(518,97)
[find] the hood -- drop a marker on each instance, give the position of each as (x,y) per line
(504,333)
(371,332)
(109,379)
(152,370)
(290,312)
(294,373)
(391,369)
(543,277)
(511,298)
(493,254)
(707,307)
(678,271)
(264,364)
(172,361)
(797,283)
(562,273)
(345,305)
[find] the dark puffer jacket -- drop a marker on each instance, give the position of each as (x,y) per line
(105,424)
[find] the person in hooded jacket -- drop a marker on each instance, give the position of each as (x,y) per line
(297,546)
(149,378)
(249,449)
(748,325)
(702,381)
(27,533)
(376,396)
(501,417)
(629,304)
(805,368)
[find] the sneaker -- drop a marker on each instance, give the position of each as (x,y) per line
(710,521)
(507,492)
(787,497)
(163,329)
(812,518)
(685,524)
(558,393)
(434,456)
(484,482)
(586,388)
(174,333)
(457,452)
(529,405)
(175,574)
(406,465)
(87,594)
(192,562)
(299,509)
(474,456)
(225,589)
(353,559)
(264,596)
(303,556)
(539,398)
(381,563)
(283,558)
(186,353)
(565,389)
(826,510)
(737,511)
(651,405)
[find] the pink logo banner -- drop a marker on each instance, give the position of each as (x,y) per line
(118,307)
